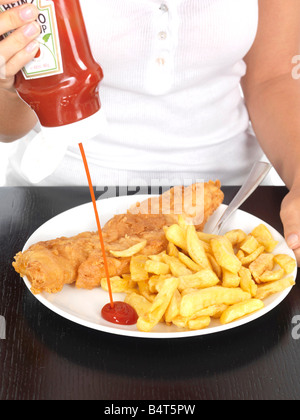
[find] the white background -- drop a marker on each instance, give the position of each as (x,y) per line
(4,151)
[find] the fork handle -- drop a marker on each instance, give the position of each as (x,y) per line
(256,176)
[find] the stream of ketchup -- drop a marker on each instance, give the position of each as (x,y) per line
(115,312)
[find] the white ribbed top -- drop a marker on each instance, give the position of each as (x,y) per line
(171,91)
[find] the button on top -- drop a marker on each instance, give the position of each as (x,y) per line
(162,35)
(164,8)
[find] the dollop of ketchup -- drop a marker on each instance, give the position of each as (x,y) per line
(120,313)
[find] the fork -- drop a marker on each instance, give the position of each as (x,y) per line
(257,174)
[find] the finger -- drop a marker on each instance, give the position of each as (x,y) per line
(18,40)
(16,17)
(290,217)
(18,61)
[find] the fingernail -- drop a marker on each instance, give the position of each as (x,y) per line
(31,30)
(27,13)
(34,45)
(292,240)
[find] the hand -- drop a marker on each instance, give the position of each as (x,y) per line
(20,47)
(290,216)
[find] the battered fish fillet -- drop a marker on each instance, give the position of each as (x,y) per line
(78,260)
(120,233)
(196,203)
(52,264)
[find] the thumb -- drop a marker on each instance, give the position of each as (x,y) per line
(290,216)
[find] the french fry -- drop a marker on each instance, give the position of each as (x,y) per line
(247,283)
(236,236)
(131,283)
(219,310)
(241,309)
(200,280)
(199,323)
(206,237)
(157,267)
(225,257)
(159,306)
(268,289)
(157,257)
(260,265)
(177,236)
(180,321)
(213,311)
(133,250)
(155,282)
(286,262)
(215,266)
(188,262)
(118,285)
(206,246)
(139,303)
(196,249)
(172,250)
(253,256)
(176,266)
(230,279)
(264,237)
(196,301)
(240,254)
(274,275)
(143,287)
(137,268)
(173,308)
(201,319)
(249,245)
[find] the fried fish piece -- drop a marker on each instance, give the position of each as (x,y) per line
(51,264)
(196,203)
(92,270)
(123,230)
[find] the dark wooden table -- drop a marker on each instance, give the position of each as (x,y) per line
(46,357)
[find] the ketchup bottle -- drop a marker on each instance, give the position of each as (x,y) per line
(61,85)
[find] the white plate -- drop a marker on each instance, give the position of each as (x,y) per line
(84,306)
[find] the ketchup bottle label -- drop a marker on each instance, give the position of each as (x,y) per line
(48,61)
